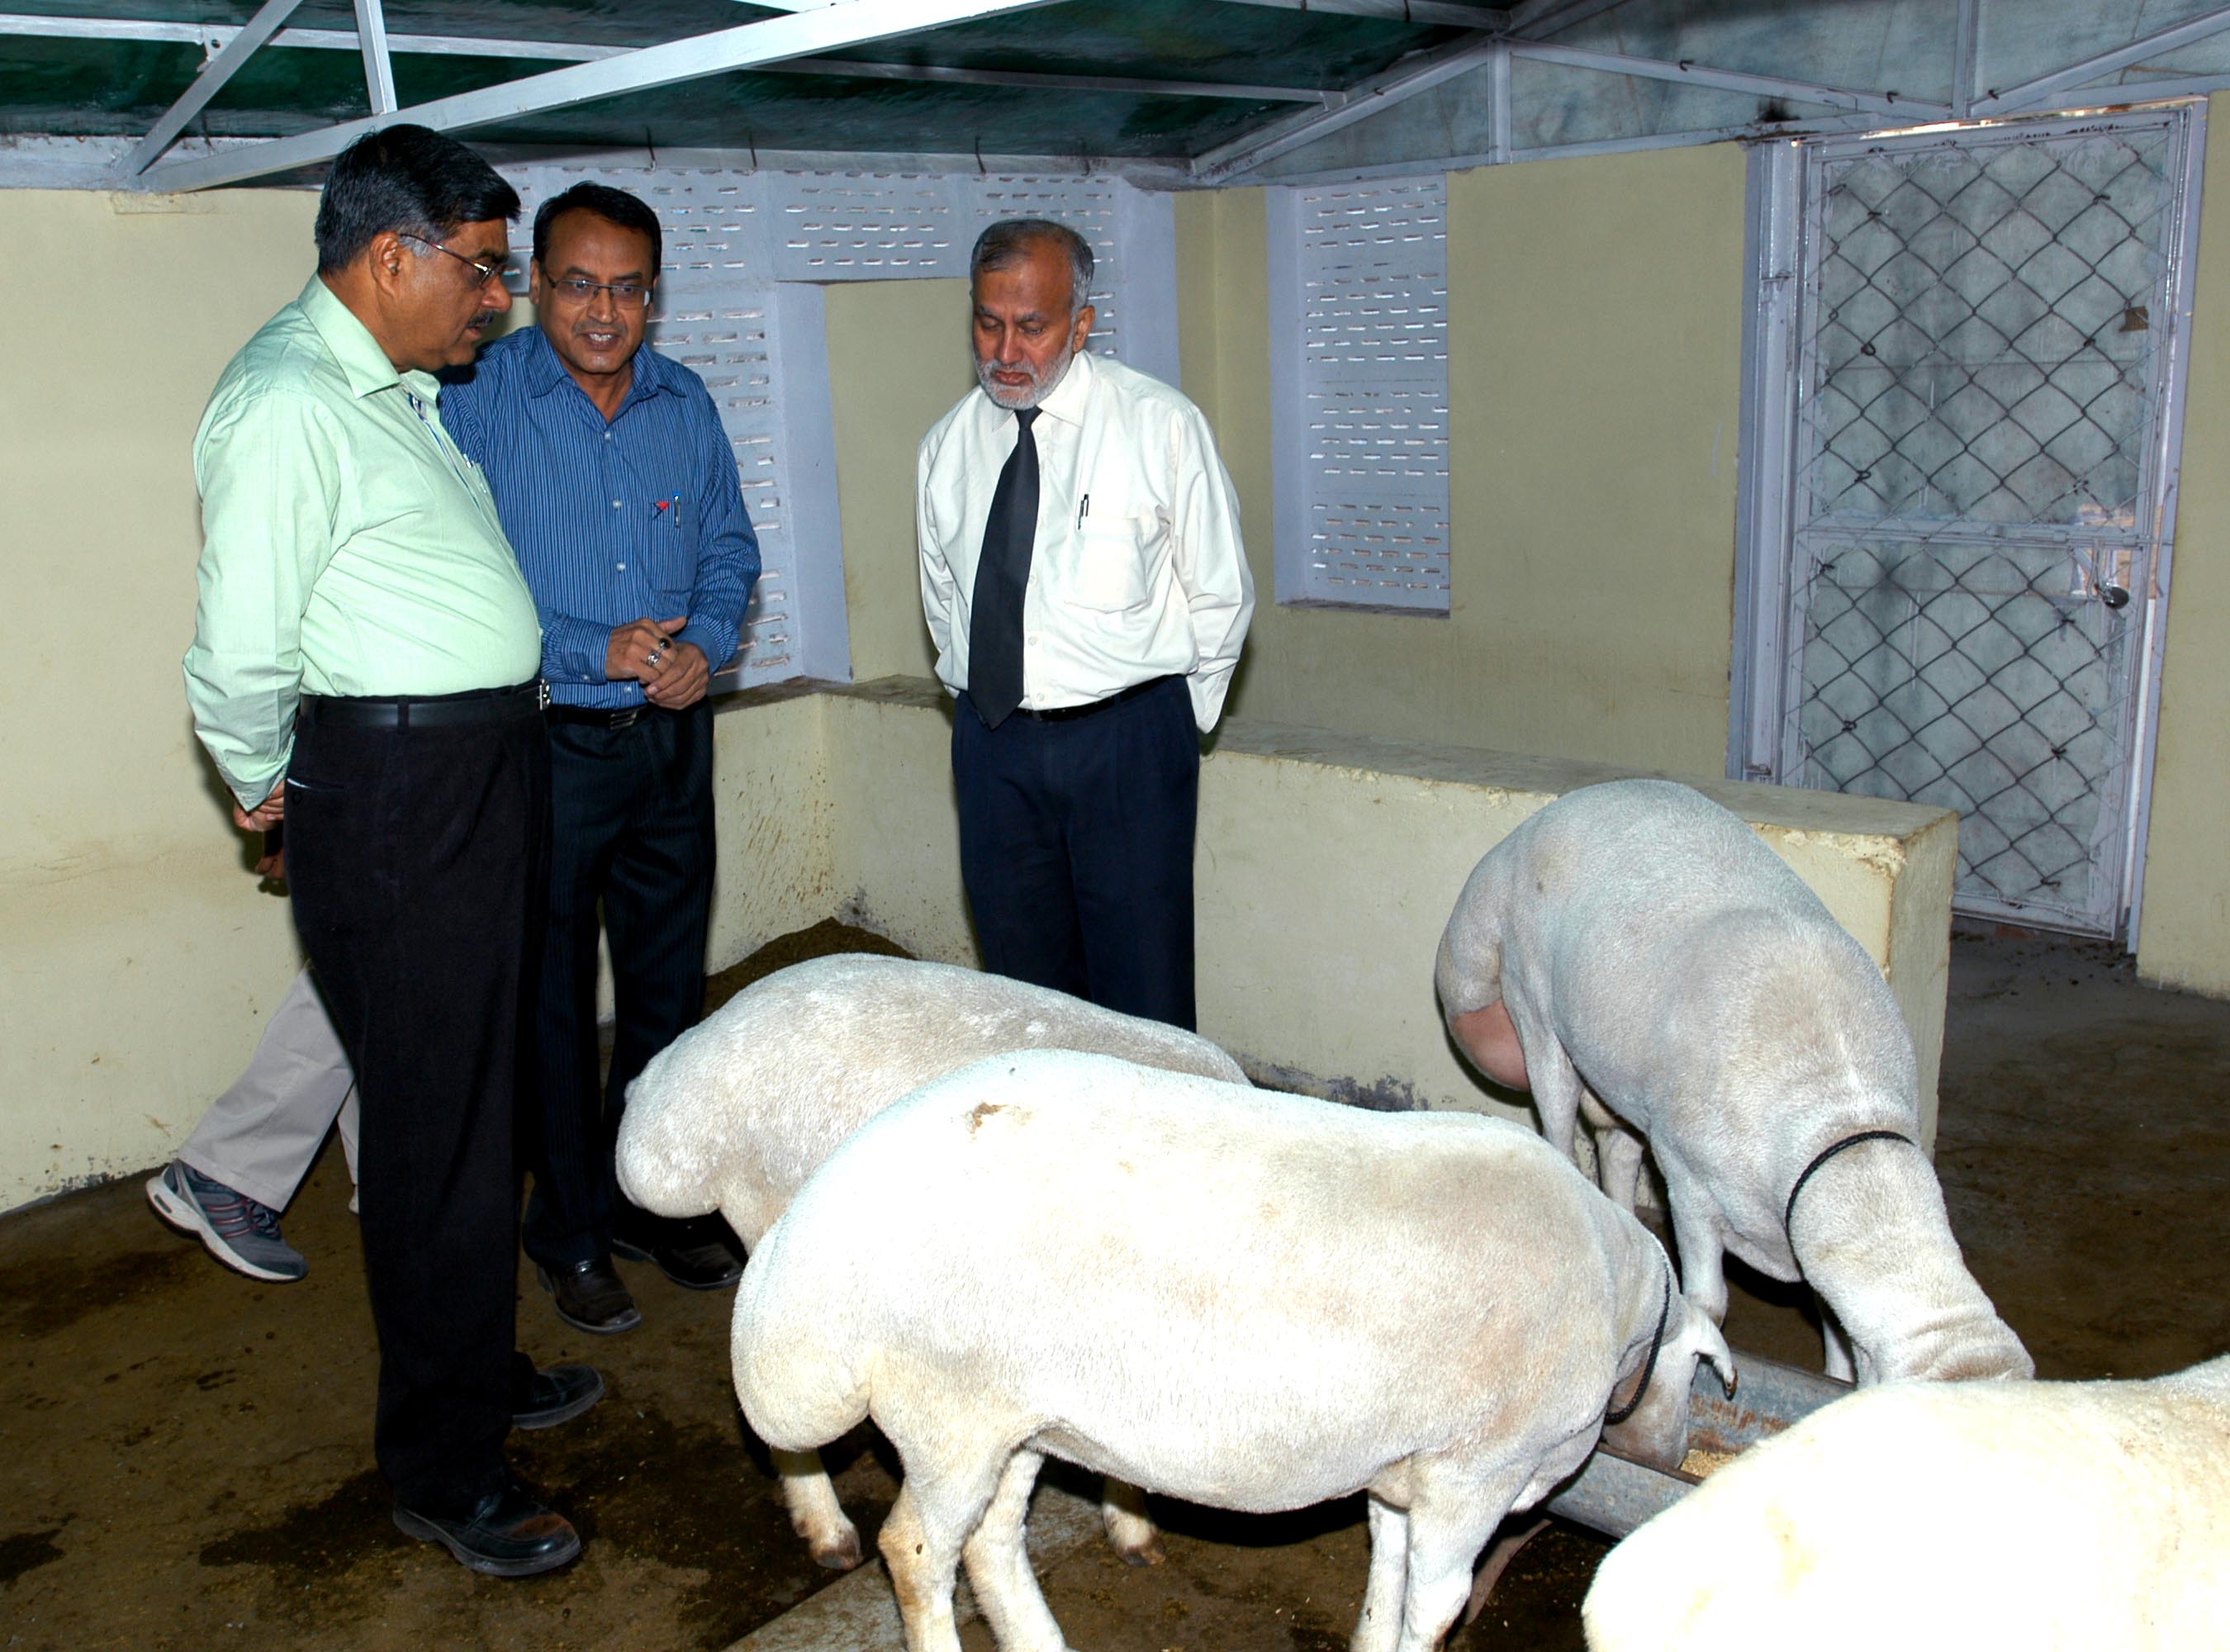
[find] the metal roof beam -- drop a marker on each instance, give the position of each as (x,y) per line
(840,24)
(842,65)
(1452,12)
(1770,86)
(564,51)
(2034,94)
(207,84)
(1538,19)
(211,37)
(1416,73)
(379,67)
(1966,45)
(2124,95)
(1500,116)
(467,45)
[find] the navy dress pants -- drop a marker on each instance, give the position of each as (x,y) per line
(1076,844)
(631,844)
(414,857)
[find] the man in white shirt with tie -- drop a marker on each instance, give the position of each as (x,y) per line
(1084,582)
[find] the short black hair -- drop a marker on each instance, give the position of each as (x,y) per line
(409,180)
(1010,239)
(614,206)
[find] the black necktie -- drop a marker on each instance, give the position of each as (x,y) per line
(1002,573)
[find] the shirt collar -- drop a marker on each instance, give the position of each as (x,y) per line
(545,371)
(362,361)
(1066,402)
(1067,399)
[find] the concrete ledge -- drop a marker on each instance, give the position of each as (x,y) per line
(1327,865)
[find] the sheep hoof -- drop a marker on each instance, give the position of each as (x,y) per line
(840,1554)
(1148,1553)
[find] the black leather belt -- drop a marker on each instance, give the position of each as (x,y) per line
(601,716)
(407,711)
(1069,714)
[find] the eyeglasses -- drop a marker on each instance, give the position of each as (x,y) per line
(578,289)
(486,272)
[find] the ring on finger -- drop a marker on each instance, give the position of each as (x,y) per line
(651,658)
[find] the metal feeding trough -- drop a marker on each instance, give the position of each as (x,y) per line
(1613,1494)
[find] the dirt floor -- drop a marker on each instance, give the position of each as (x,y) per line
(187,1459)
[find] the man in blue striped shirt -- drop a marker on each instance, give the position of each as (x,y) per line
(618,490)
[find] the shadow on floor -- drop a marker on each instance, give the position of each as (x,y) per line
(186,1462)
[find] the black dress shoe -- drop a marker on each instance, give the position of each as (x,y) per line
(508,1534)
(711,1265)
(555,1396)
(589,1297)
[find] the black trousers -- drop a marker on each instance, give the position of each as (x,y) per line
(1076,844)
(413,856)
(631,832)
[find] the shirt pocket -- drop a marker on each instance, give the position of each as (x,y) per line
(673,547)
(1119,556)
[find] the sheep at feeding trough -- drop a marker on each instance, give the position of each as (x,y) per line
(1634,947)
(737,1111)
(1252,1300)
(2039,1515)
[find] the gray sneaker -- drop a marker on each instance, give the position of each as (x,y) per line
(239,1232)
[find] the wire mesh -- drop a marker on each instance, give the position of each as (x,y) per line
(1985,679)
(1984,373)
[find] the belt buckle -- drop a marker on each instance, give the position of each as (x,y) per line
(541,694)
(626,718)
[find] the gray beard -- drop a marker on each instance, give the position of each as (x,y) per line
(1030,395)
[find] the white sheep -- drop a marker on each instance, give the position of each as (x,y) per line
(1248,1300)
(2090,1516)
(736,1112)
(1635,947)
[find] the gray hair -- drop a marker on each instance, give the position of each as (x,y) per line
(1009,241)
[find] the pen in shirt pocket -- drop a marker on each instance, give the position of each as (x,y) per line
(1083,509)
(666,510)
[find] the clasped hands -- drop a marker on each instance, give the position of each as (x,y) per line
(673,674)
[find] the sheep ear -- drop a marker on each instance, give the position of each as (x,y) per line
(1711,1345)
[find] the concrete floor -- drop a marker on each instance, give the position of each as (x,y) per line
(187,1459)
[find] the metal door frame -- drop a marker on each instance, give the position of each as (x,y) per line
(1763,695)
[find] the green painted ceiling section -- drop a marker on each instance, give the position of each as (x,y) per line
(70,86)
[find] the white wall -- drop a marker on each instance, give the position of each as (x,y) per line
(1327,867)
(137,958)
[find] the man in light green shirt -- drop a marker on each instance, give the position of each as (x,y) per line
(351,549)
(363,665)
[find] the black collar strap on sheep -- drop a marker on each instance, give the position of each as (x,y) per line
(1789,1210)
(1614,1415)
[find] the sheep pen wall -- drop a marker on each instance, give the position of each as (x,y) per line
(1325,867)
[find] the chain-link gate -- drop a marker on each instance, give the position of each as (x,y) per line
(1983,384)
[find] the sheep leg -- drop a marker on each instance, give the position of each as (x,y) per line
(937,1506)
(1123,1509)
(1618,1163)
(1703,1268)
(999,1565)
(1380,1626)
(1448,1526)
(1617,1152)
(815,1514)
(1837,1345)
(1556,1090)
